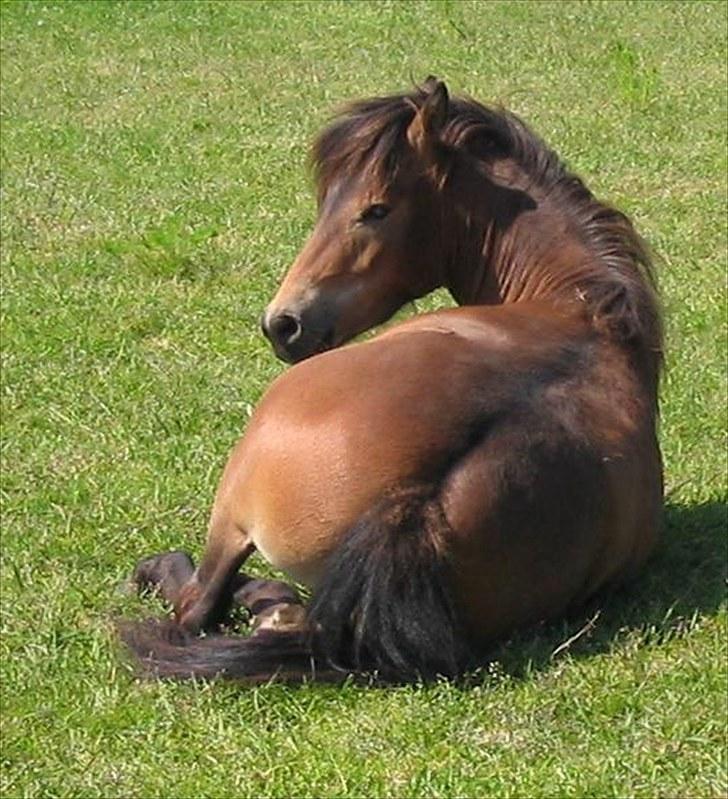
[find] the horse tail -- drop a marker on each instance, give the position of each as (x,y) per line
(384,604)
(385,600)
(163,649)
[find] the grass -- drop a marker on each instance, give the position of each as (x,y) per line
(153,193)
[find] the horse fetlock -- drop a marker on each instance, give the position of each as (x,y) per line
(253,593)
(273,604)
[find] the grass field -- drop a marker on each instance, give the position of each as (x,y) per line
(154,190)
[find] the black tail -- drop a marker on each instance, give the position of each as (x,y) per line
(385,601)
(384,605)
(164,649)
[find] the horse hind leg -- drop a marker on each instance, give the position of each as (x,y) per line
(273,605)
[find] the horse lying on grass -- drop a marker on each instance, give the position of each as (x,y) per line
(462,474)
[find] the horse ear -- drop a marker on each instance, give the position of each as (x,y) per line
(430,118)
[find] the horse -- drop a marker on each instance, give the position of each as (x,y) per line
(464,473)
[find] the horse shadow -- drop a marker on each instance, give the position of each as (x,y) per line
(684,580)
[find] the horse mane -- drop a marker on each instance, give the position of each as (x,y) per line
(369,136)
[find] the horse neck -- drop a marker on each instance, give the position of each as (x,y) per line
(515,242)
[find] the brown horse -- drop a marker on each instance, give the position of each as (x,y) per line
(464,473)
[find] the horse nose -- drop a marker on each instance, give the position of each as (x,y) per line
(281,329)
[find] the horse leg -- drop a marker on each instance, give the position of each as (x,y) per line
(273,604)
(205,597)
(168,573)
(165,574)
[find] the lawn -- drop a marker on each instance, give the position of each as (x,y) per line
(154,190)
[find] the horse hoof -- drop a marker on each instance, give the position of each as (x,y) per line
(150,572)
(255,594)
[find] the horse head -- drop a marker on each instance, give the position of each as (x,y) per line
(377,240)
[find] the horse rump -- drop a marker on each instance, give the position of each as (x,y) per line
(385,601)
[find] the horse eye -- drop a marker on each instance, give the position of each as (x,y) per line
(374,212)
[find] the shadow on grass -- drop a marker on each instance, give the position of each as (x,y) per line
(684,580)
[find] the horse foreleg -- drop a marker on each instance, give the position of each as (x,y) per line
(206,596)
(166,574)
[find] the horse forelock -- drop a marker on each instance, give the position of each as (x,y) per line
(366,138)
(369,138)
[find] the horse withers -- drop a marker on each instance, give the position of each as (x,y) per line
(464,473)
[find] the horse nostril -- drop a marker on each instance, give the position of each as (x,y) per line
(283,328)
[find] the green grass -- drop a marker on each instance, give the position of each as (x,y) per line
(153,193)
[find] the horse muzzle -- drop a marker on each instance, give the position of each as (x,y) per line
(292,339)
